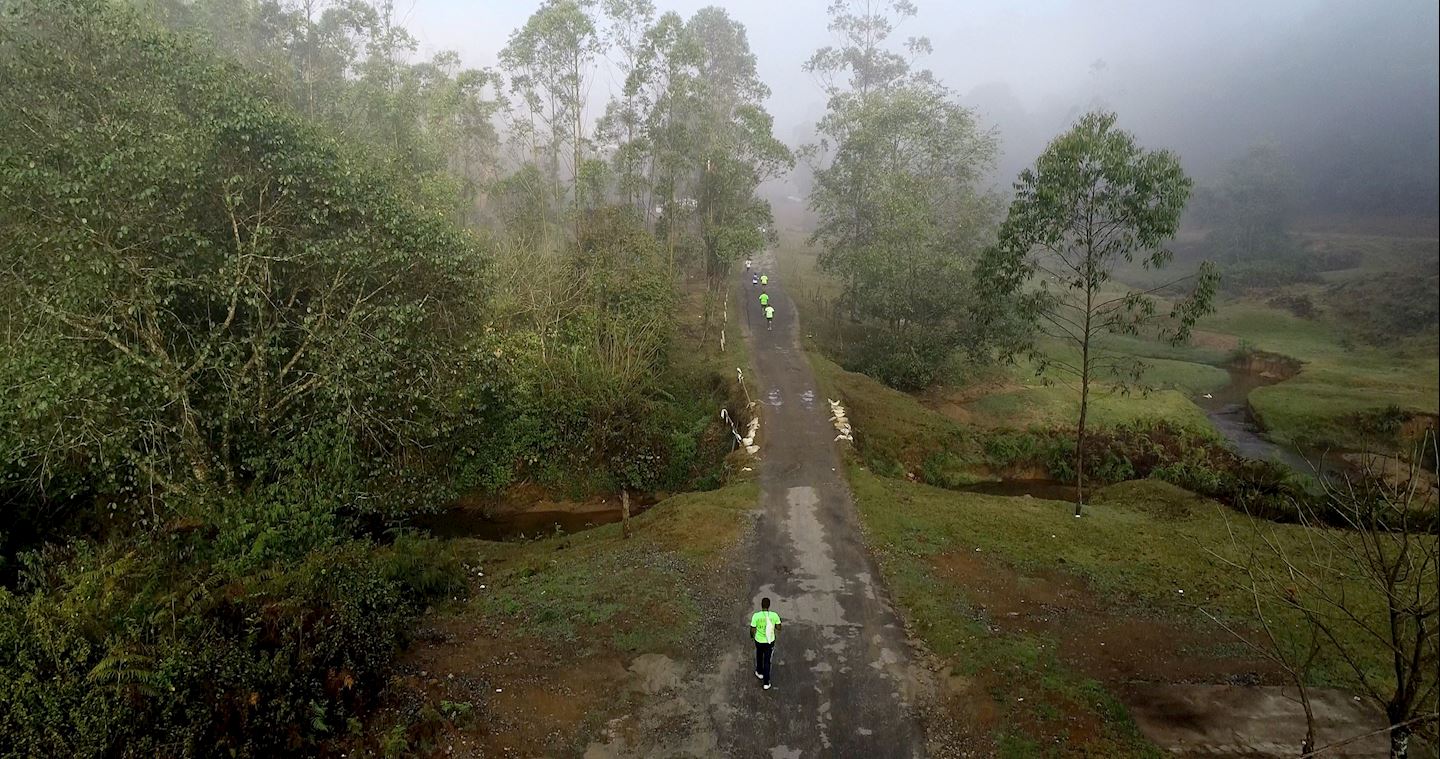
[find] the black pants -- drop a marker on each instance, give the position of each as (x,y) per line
(762,659)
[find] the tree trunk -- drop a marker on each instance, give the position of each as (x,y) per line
(625,512)
(1399,735)
(1309,744)
(1080,440)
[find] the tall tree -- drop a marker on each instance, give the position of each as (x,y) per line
(735,148)
(667,83)
(861,63)
(896,189)
(550,62)
(627,22)
(1093,201)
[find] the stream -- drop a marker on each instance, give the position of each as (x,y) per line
(1228,410)
(471,521)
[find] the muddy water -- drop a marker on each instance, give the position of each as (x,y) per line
(1229,411)
(471,522)
(1048,489)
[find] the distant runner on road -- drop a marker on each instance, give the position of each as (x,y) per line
(764,626)
(764,279)
(764,299)
(747,264)
(769,317)
(754,279)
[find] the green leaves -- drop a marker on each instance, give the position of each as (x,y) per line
(1095,200)
(899,203)
(244,277)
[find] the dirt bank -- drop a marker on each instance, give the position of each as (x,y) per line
(1271,366)
(528,511)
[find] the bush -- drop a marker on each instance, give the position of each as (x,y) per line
(142,651)
(902,359)
(1266,274)
(945,469)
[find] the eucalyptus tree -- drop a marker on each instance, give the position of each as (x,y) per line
(1094,200)
(621,128)
(550,62)
(734,146)
(897,172)
(705,140)
(666,86)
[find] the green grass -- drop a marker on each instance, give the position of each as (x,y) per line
(1336,380)
(1059,405)
(595,591)
(896,434)
(1139,544)
(908,527)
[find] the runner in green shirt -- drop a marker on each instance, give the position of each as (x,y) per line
(769,317)
(764,626)
(764,299)
(764,279)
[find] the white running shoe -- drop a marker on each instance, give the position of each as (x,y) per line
(767,686)
(759,676)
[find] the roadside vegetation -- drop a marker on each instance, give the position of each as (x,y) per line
(1102,315)
(275,290)
(279,295)
(586,605)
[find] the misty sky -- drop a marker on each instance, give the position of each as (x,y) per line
(1342,86)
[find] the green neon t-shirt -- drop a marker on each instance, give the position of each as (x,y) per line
(764,623)
(769,312)
(764,299)
(764,279)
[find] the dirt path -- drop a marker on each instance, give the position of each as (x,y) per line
(844,684)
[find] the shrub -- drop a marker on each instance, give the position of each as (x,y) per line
(903,359)
(945,469)
(142,651)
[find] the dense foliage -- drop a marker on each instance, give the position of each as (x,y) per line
(1095,200)
(245,340)
(897,192)
(206,292)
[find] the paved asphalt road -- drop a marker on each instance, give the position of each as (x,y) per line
(841,661)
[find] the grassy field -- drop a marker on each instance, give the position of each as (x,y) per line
(542,644)
(1341,376)
(1144,552)
(1337,379)
(1026,400)
(595,592)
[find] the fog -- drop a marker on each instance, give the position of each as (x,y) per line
(1346,89)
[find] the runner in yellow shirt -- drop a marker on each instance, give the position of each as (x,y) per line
(764,626)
